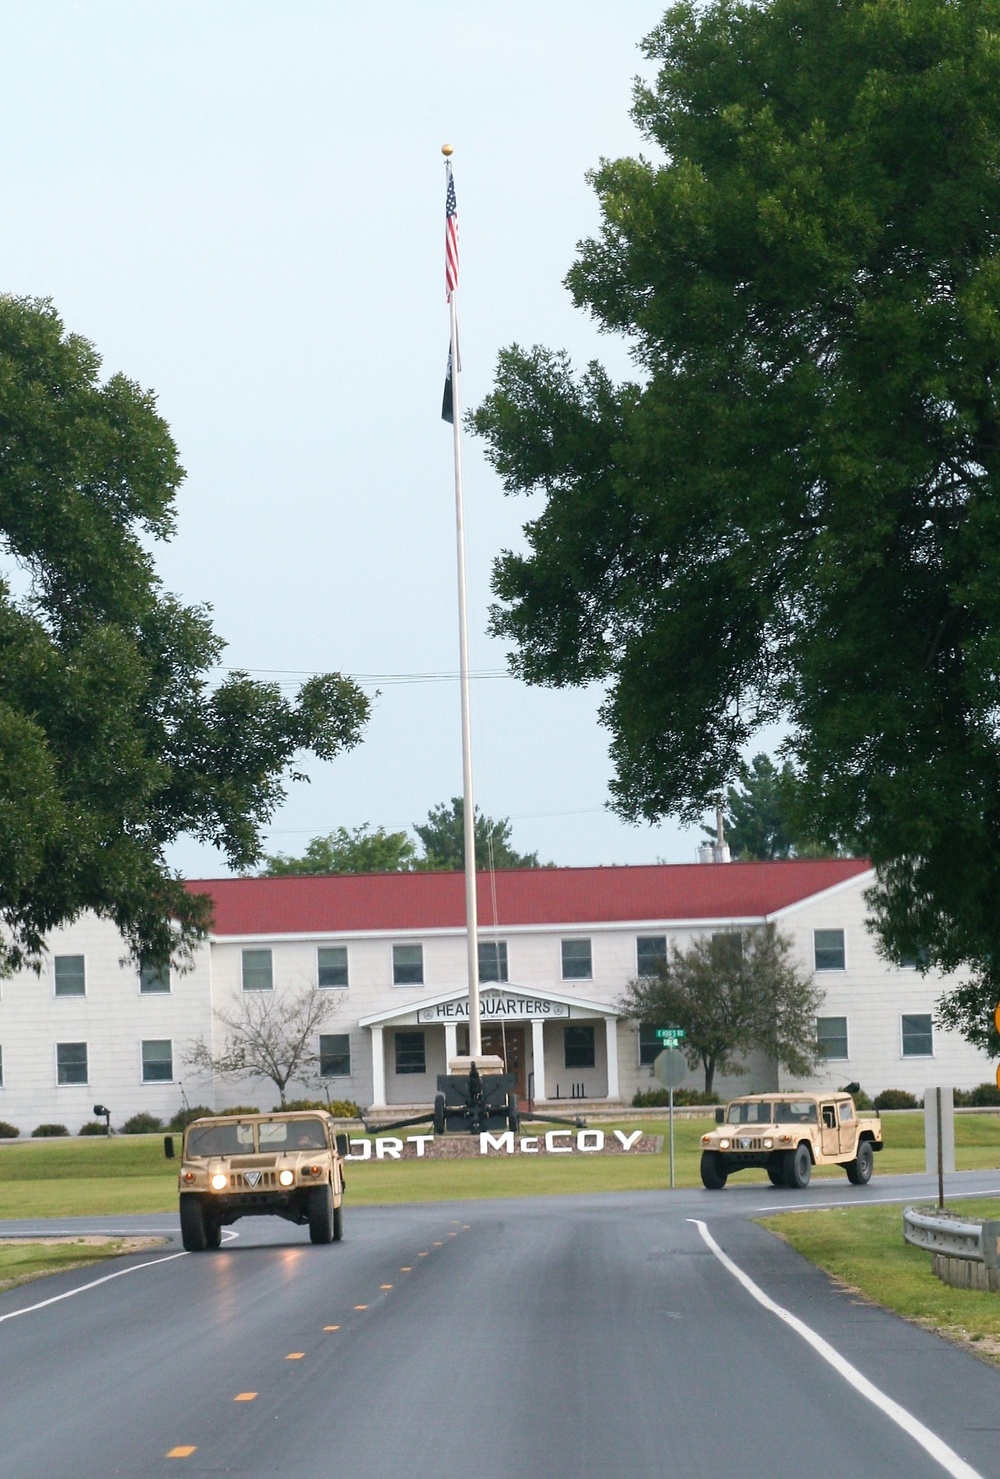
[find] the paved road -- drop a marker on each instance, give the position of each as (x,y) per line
(579,1336)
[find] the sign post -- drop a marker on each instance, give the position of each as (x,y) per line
(671,1067)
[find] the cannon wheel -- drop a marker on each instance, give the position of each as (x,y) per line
(438,1114)
(513,1113)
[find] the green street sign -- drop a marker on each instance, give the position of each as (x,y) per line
(670,1034)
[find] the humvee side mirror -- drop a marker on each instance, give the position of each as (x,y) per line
(168,1147)
(343,1149)
(720,1116)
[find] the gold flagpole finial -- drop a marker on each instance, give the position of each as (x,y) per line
(447,150)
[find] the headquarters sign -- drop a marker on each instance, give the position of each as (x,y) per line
(496,1007)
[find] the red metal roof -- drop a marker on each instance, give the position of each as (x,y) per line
(358,904)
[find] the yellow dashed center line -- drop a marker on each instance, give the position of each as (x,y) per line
(295,1355)
(181,1452)
(407,1268)
(331,1327)
(439,1245)
(360,1306)
(385,1286)
(421,1255)
(465,1227)
(244,1396)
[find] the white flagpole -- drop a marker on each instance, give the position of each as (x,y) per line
(471,910)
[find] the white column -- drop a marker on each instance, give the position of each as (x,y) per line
(450,1044)
(378,1069)
(538,1056)
(611,1030)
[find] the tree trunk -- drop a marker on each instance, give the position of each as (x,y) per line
(709,1072)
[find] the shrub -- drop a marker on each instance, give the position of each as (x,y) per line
(8,1132)
(238,1109)
(660,1098)
(896,1099)
(45,1132)
(341,1109)
(93,1127)
(183,1117)
(983,1096)
(142,1124)
(863,1100)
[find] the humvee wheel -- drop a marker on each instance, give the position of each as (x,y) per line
(213,1229)
(859,1171)
(338,1223)
(513,1113)
(439,1114)
(713,1173)
(776,1175)
(320,1209)
(194,1233)
(798,1167)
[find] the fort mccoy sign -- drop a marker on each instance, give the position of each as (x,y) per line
(551,1142)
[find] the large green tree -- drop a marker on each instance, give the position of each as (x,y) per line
(792,512)
(443,837)
(114,737)
(733,994)
(761,814)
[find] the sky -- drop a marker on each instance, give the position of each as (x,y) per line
(241,204)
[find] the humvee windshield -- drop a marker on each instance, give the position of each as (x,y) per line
(220,1140)
(798,1112)
(750,1114)
(293,1135)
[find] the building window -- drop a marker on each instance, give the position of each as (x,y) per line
(650,1047)
(410,1054)
(829,948)
(578,1042)
(917,961)
(727,949)
(258,974)
(71,975)
(576,965)
(154,980)
(335,1055)
(650,954)
(918,1036)
(71,1062)
(331,965)
(158,1061)
(493,960)
(408,970)
(831,1037)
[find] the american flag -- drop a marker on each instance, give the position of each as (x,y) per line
(450,239)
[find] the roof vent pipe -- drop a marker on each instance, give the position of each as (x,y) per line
(720,852)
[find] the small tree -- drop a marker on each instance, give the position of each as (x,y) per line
(268,1037)
(733,993)
(362,851)
(443,837)
(761,814)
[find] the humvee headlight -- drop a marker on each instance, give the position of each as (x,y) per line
(286,1178)
(219,1181)
(723,1144)
(768,1143)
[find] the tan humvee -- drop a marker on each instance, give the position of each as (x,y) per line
(250,1165)
(787,1134)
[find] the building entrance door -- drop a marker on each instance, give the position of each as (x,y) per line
(508,1043)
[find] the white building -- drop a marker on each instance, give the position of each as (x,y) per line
(557,947)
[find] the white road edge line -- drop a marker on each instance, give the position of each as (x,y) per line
(930,1442)
(82,1288)
(810,1206)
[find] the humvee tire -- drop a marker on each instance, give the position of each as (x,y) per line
(439,1114)
(213,1229)
(338,1223)
(320,1211)
(798,1167)
(859,1171)
(513,1113)
(776,1175)
(194,1233)
(713,1174)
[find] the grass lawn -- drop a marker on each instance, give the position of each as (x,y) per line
(129,1173)
(21,1262)
(863,1249)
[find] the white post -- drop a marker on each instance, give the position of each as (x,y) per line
(378,1069)
(538,1057)
(471,914)
(450,1043)
(611,1032)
